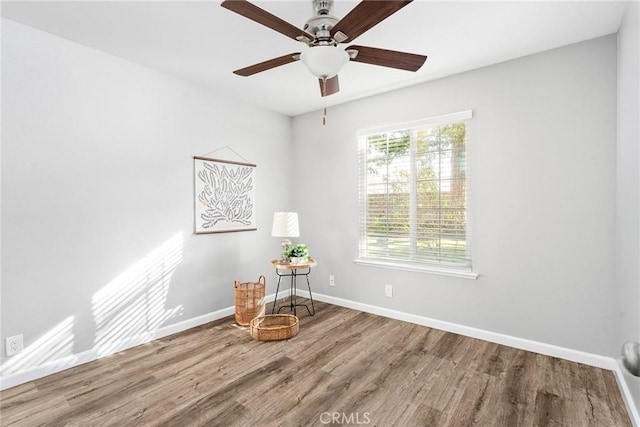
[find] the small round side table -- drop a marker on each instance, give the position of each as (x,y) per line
(292,271)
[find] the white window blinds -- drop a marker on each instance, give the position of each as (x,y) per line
(413,193)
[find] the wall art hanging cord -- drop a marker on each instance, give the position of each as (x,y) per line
(226,147)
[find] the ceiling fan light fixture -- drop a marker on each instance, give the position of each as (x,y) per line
(324,62)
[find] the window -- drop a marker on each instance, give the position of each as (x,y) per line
(413,194)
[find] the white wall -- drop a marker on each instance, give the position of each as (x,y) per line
(97,197)
(628,189)
(542,169)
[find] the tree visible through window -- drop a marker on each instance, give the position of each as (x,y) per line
(413,195)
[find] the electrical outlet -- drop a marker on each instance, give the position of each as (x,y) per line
(14,345)
(388,291)
(332,280)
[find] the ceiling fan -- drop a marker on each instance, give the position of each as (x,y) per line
(323,33)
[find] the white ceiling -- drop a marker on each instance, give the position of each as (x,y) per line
(203,42)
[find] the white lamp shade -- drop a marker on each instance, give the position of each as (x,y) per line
(285,224)
(324,61)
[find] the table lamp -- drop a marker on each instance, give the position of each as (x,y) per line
(285,225)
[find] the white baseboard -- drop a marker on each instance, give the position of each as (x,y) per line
(495,337)
(632,409)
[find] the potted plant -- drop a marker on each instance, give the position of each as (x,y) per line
(297,254)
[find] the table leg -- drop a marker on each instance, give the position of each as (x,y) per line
(293,293)
(275,300)
(311,298)
(294,284)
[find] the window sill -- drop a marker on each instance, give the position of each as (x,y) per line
(418,268)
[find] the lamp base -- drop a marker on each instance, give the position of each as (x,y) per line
(286,243)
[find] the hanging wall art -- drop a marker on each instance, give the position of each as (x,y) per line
(224,195)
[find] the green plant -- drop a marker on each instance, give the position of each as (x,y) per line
(297,251)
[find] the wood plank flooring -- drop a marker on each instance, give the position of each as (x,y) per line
(344,367)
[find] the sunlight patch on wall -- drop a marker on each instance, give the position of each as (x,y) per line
(54,345)
(131,307)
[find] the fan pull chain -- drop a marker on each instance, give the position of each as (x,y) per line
(324,93)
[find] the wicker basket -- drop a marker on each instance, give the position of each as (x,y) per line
(249,300)
(274,327)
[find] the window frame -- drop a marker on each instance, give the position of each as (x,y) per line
(464,271)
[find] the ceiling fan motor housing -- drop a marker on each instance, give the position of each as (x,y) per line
(320,25)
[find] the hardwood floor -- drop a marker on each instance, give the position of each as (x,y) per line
(344,367)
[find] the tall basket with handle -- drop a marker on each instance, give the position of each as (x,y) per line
(249,300)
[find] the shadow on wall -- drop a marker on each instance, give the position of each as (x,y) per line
(126,311)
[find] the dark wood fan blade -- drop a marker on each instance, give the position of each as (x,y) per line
(365,15)
(329,86)
(267,65)
(388,58)
(261,16)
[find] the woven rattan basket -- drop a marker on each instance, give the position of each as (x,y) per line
(249,300)
(274,327)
